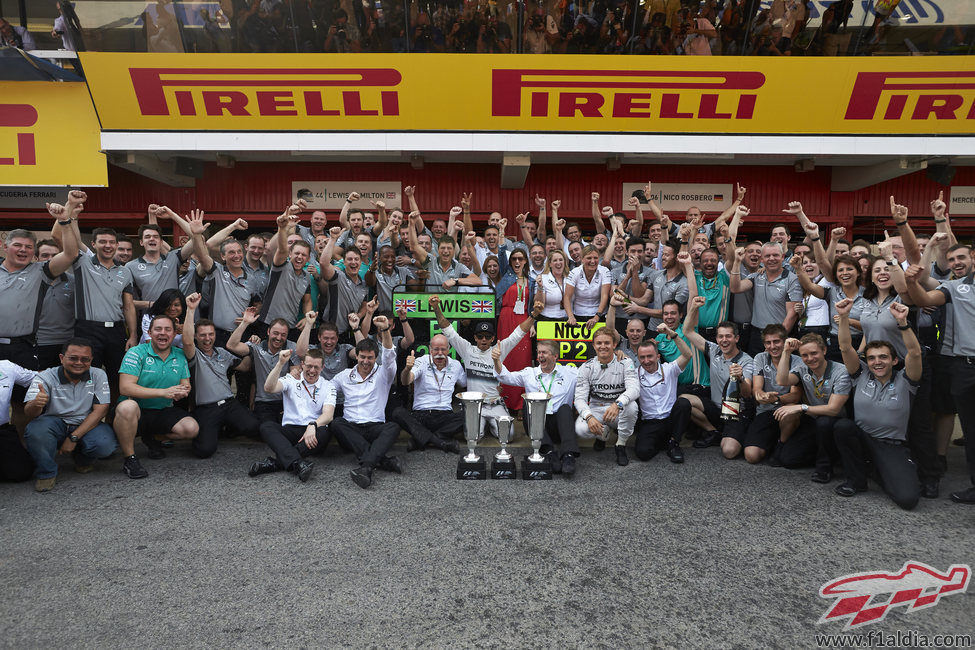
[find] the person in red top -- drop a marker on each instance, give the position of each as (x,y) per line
(517,294)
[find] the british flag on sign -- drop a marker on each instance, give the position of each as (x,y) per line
(482,306)
(409,304)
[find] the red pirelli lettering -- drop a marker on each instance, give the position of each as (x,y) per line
(906,88)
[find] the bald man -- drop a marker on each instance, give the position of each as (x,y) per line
(434,377)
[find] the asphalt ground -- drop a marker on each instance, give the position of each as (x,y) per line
(709,554)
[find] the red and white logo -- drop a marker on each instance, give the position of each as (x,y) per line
(864,598)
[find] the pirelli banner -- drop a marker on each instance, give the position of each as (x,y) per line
(49,136)
(525,93)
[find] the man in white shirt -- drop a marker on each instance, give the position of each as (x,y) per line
(309,404)
(478,363)
(664,417)
(15,463)
(560,382)
(363,427)
(434,377)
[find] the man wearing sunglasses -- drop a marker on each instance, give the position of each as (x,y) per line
(67,404)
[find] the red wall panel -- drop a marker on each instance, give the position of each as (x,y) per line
(260,191)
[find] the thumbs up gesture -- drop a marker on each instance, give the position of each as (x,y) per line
(496,352)
(410,360)
(42,397)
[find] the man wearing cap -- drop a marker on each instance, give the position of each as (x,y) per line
(68,403)
(435,375)
(215,407)
(478,364)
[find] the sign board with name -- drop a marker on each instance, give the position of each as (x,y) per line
(516,93)
(453,305)
(962,200)
(331,195)
(708,197)
(574,341)
(31,198)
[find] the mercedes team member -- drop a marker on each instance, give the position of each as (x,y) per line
(606,396)
(478,364)
(664,416)
(882,409)
(434,377)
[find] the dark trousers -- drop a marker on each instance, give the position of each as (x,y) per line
(443,424)
(49,356)
(268,412)
(963,390)
(285,441)
(560,427)
(811,443)
(369,440)
(15,463)
(107,345)
(215,418)
(891,459)
(920,434)
(405,419)
(653,436)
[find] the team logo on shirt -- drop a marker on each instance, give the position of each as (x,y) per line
(964,288)
(142,267)
(149,361)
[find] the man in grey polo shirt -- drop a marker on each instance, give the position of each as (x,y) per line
(68,403)
(348,291)
(882,409)
(56,325)
(959,344)
(775,291)
(289,288)
(154,272)
(215,407)
(24,282)
(826,388)
(104,304)
(227,287)
(264,355)
(258,272)
(444,270)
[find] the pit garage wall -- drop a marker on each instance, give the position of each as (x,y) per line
(259,191)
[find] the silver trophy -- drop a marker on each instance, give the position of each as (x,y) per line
(505,423)
(536,466)
(471,466)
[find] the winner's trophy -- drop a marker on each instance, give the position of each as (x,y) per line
(536,467)
(471,467)
(504,464)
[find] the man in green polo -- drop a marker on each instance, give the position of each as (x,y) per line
(152,376)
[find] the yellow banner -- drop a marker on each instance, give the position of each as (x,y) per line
(49,135)
(517,93)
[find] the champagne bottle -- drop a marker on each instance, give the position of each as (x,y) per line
(731,402)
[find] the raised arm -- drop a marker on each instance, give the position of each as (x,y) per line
(597,218)
(344,212)
(69,238)
(286,221)
(685,350)
(234,343)
(273,382)
(783,371)
(732,209)
(213,244)
(911,249)
(850,357)
(920,296)
(805,281)
(325,259)
(542,219)
(419,253)
(406,377)
(736,283)
(941,221)
(189,344)
(690,324)
(301,346)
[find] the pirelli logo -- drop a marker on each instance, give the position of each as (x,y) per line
(16,118)
(913,96)
(655,94)
(267,92)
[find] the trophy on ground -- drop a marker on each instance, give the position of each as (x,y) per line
(536,467)
(504,464)
(471,467)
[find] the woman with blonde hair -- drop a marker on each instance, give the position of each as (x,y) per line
(551,287)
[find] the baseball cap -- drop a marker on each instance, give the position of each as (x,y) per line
(484,327)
